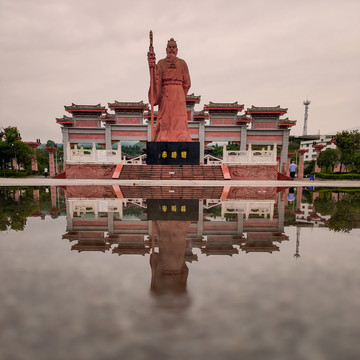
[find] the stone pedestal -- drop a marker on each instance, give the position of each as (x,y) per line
(172,153)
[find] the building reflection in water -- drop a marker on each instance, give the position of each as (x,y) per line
(219,220)
(168,223)
(174,225)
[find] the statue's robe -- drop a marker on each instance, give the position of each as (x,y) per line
(172,82)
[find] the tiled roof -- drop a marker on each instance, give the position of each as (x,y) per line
(233,105)
(33,144)
(193,98)
(147,113)
(128,104)
(287,122)
(201,114)
(74,107)
(243,118)
(108,116)
(266,109)
(65,120)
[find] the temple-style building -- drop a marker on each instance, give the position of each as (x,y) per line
(97,219)
(261,133)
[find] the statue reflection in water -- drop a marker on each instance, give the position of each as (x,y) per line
(168,269)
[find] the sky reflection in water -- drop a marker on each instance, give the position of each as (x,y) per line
(229,272)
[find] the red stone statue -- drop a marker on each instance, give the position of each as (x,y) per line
(169,85)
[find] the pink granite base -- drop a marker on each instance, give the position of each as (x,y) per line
(253,172)
(88,171)
(237,172)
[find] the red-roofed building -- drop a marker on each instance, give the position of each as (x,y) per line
(260,128)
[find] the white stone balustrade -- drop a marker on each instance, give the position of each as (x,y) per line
(93,155)
(78,207)
(264,209)
(250,156)
(212,160)
(92,207)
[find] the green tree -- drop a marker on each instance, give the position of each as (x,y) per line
(345,212)
(328,158)
(132,150)
(356,163)
(11,147)
(218,150)
(310,168)
(348,143)
(10,134)
(294,144)
(324,204)
(13,211)
(342,220)
(50,143)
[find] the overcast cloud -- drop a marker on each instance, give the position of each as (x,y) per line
(262,53)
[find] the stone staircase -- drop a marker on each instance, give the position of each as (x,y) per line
(169,172)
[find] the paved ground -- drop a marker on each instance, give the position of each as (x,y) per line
(42,181)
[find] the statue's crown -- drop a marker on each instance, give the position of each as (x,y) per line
(171,42)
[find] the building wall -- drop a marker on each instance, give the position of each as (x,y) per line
(308,144)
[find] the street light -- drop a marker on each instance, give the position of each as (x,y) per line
(16,163)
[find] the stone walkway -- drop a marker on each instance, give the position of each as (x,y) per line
(42,181)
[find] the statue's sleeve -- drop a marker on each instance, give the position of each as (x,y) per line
(186,77)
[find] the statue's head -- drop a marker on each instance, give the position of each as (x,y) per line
(171,49)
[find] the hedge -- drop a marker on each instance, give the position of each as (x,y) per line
(13,173)
(345,176)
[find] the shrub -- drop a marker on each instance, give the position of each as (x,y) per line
(344,176)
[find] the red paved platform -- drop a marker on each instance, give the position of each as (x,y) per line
(169,172)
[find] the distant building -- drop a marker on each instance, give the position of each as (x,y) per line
(307,143)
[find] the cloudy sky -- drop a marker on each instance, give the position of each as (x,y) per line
(257,52)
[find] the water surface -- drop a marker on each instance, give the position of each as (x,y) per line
(98,273)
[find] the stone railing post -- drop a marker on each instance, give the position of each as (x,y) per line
(301,163)
(249,154)
(68,153)
(51,150)
(225,155)
(318,148)
(93,152)
(34,164)
(275,153)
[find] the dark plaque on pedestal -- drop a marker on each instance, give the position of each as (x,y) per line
(173,209)
(172,153)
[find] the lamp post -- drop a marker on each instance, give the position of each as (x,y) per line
(16,164)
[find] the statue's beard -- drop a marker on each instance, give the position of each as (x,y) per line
(171,55)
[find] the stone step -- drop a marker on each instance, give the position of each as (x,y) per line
(158,172)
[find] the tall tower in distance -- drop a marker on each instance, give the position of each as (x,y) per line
(306,103)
